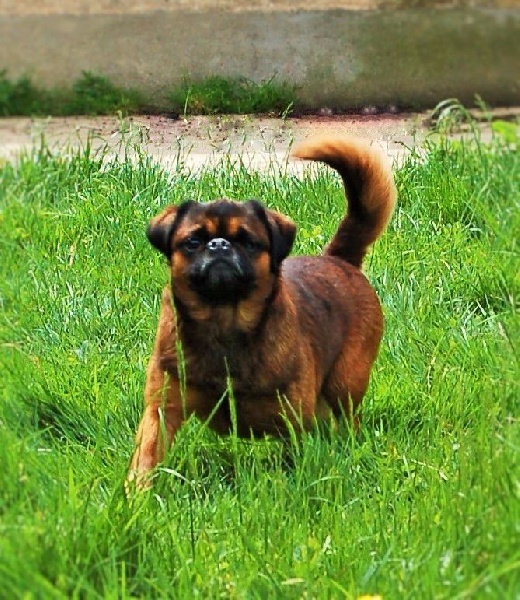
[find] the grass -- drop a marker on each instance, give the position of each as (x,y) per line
(425,504)
(93,94)
(216,95)
(90,94)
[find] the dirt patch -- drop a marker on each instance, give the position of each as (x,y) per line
(200,141)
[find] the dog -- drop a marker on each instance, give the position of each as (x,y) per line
(254,342)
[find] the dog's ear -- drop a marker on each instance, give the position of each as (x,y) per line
(281,230)
(162,227)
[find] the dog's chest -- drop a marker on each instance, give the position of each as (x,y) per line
(237,363)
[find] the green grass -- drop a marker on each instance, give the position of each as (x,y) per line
(90,94)
(425,504)
(93,94)
(233,96)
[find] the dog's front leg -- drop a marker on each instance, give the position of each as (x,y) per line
(164,413)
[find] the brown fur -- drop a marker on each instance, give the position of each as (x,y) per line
(306,334)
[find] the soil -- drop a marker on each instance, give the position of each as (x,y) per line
(200,141)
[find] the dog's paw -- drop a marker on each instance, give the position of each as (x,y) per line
(137,481)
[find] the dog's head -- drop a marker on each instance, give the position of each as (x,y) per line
(222,252)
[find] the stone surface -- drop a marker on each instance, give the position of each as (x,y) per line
(85,7)
(337,54)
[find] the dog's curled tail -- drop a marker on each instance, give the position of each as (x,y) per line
(369,186)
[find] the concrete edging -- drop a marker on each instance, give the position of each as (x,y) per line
(336,58)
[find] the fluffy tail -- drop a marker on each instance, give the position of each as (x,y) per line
(369,186)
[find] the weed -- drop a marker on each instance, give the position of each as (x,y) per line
(93,94)
(19,97)
(233,96)
(90,95)
(96,95)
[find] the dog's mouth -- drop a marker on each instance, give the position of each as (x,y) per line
(221,280)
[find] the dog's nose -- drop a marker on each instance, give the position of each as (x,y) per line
(218,245)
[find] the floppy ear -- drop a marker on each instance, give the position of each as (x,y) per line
(281,230)
(282,234)
(161,228)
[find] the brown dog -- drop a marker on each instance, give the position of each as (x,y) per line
(285,335)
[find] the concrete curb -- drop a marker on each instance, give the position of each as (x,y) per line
(335,58)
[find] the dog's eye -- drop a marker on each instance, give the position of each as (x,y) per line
(192,243)
(250,246)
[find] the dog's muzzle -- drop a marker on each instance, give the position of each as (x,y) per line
(221,257)
(220,275)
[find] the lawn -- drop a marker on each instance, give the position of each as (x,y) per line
(425,503)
